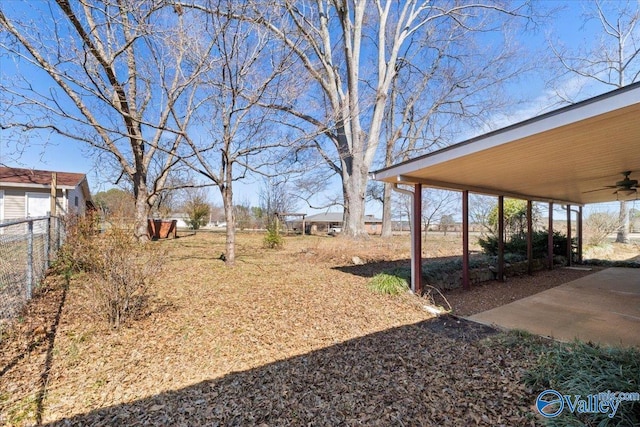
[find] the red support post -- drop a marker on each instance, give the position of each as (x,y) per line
(550,239)
(465,240)
(501,238)
(569,243)
(416,240)
(529,237)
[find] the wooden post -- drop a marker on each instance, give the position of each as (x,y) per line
(465,240)
(529,237)
(416,240)
(501,238)
(569,244)
(54,193)
(303,225)
(550,239)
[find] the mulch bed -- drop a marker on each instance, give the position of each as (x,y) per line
(488,295)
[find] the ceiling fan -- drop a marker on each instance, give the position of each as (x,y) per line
(625,187)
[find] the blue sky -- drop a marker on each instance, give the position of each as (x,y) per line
(567,27)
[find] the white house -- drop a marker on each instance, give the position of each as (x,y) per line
(26,193)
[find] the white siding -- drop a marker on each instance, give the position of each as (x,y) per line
(14,201)
(13,204)
(76,203)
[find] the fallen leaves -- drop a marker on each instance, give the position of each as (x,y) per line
(283,338)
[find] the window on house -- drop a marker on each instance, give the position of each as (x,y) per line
(75,201)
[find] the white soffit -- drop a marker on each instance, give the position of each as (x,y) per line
(560,156)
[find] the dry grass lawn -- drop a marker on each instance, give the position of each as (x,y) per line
(284,338)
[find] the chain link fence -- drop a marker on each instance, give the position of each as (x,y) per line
(27,247)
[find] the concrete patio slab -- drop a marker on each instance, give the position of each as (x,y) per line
(603,308)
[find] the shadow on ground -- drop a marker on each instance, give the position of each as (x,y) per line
(38,340)
(370,269)
(410,375)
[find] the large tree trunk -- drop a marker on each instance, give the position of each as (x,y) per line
(141,215)
(623,230)
(354,187)
(230,217)
(142,208)
(387,221)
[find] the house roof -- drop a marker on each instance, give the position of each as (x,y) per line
(567,156)
(325,217)
(32,178)
(337,217)
(39,177)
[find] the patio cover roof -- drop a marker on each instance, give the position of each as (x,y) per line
(557,157)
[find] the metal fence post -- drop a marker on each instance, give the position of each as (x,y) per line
(47,243)
(29,258)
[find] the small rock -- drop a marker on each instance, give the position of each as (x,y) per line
(357,261)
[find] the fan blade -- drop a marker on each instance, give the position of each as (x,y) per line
(593,191)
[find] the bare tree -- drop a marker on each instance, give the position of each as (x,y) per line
(216,214)
(115,204)
(446,222)
(402,209)
(349,53)
(480,212)
(449,80)
(613,60)
(599,225)
(276,198)
(121,79)
(239,137)
(437,204)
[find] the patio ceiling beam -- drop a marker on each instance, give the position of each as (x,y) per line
(409,180)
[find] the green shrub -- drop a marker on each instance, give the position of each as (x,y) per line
(584,369)
(512,258)
(392,283)
(612,263)
(273,239)
(455,264)
(198,215)
(518,244)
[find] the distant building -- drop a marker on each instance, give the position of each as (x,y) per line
(26,193)
(182,219)
(331,222)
